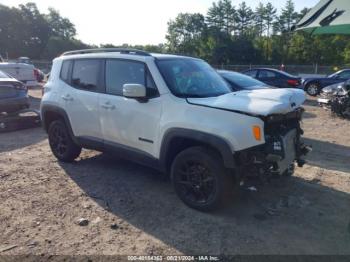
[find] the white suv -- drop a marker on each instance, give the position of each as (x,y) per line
(175,114)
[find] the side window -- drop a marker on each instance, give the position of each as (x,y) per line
(120,72)
(345,75)
(251,73)
(64,75)
(86,74)
(267,74)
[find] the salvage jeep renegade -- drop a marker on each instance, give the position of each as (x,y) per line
(173,113)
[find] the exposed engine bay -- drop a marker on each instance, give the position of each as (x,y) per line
(283,148)
(337,99)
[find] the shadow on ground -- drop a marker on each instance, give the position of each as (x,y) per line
(309,115)
(311,102)
(286,217)
(328,155)
(10,141)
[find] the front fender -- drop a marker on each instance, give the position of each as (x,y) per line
(216,142)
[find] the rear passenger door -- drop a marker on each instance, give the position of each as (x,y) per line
(128,121)
(81,97)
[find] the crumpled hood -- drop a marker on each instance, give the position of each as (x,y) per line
(262,102)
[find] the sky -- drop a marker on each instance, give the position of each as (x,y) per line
(131,21)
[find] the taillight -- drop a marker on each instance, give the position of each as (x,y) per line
(293,82)
(20,86)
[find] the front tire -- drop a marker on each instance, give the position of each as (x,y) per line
(200,179)
(62,145)
(312,89)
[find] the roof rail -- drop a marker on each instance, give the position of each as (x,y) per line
(108,50)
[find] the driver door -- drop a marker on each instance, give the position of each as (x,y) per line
(128,121)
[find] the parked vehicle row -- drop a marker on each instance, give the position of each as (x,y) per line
(273,77)
(336,98)
(313,86)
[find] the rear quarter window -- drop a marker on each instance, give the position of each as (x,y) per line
(65,69)
(251,73)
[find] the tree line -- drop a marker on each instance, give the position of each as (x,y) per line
(230,34)
(226,34)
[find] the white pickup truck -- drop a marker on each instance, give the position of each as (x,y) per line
(22,72)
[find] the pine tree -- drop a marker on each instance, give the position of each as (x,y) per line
(260,15)
(245,17)
(222,15)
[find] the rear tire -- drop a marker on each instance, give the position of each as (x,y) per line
(200,179)
(62,145)
(312,89)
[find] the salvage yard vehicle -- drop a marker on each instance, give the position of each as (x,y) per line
(313,86)
(22,72)
(328,93)
(274,77)
(337,98)
(15,113)
(173,113)
(13,94)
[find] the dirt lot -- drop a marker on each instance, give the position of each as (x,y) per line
(41,200)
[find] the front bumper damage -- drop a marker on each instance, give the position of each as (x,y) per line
(324,99)
(283,148)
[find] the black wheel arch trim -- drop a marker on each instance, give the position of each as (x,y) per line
(216,142)
(58,110)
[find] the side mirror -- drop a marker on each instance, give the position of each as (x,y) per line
(134,91)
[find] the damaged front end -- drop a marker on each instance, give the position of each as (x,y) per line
(282,149)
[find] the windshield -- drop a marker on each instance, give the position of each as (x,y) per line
(333,75)
(192,78)
(243,82)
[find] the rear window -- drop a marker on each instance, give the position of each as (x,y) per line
(288,75)
(86,74)
(251,73)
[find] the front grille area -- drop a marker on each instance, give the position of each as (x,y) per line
(280,125)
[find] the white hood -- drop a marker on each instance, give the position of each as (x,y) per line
(261,102)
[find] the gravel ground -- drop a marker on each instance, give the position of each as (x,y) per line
(131,210)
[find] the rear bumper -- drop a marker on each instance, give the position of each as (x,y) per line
(31,83)
(10,105)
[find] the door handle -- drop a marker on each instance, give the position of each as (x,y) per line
(108,105)
(67,97)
